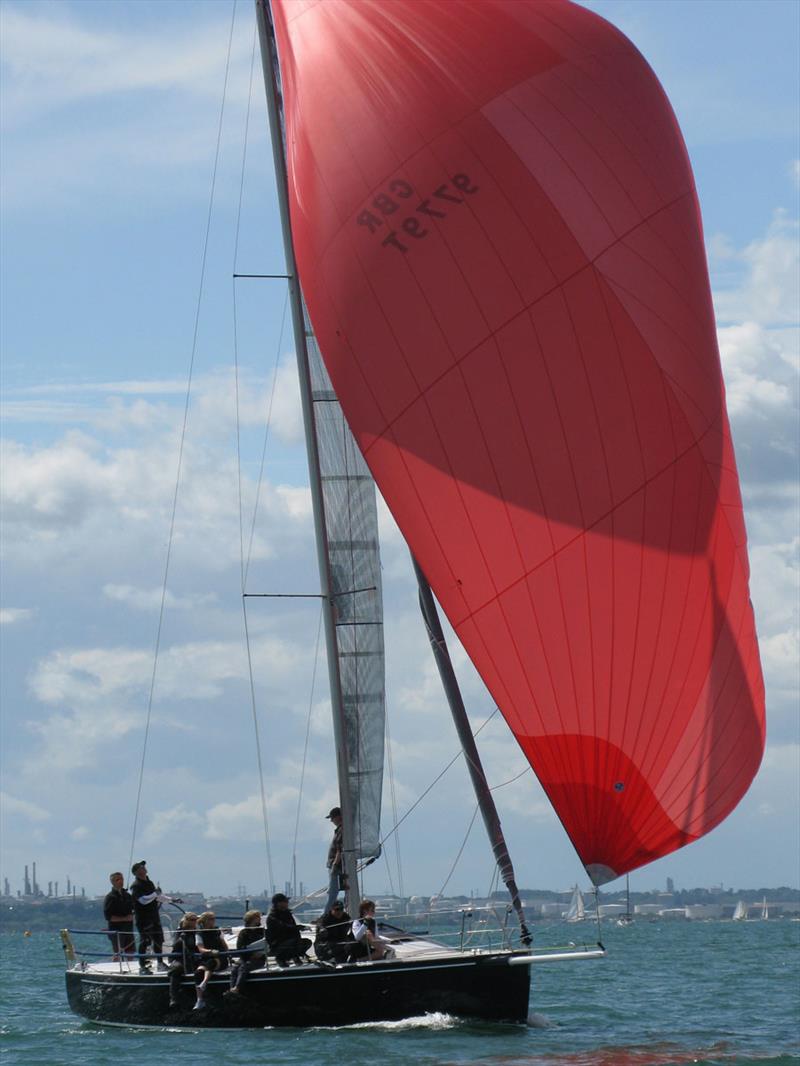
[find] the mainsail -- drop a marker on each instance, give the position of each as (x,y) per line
(576,912)
(351,525)
(500,246)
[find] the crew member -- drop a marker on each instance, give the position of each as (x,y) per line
(118,912)
(283,933)
(335,864)
(146,898)
(334,940)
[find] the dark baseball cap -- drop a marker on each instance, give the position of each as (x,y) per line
(333,812)
(136,865)
(280,898)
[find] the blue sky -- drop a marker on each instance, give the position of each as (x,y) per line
(110,114)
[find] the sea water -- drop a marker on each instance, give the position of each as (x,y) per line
(675,992)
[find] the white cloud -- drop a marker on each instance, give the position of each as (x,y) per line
(178,823)
(758,377)
(9,616)
(150,599)
(11,805)
(80,832)
(770,291)
(153,92)
(52,61)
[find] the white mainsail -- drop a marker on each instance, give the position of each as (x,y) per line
(740,914)
(576,911)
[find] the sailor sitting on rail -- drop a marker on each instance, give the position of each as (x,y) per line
(334,940)
(366,934)
(250,959)
(184,955)
(213,953)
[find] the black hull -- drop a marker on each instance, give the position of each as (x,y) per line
(475,987)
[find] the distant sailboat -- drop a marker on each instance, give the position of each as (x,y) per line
(740,914)
(764,910)
(576,911)
(627,917)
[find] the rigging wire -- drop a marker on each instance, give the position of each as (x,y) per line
(243,567)
(461,849)
(435,782)
(511,780)
(267,426)
(234,308)
(264,815)
(184,424)
(390,763)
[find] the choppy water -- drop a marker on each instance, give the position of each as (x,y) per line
(709,993)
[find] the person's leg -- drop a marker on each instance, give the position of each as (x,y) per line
(200,975)
(333,889)
(144,940)
(175,976)
(158,946)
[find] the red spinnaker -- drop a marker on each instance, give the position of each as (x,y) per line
(501,250)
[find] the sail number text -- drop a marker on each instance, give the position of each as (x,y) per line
(437,205)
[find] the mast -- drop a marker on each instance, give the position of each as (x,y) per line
(268,51)
(491,819)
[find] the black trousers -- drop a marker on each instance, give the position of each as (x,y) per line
(150,934)
(293,948)
(122,941)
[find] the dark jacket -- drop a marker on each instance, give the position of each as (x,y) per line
(118,904)
(281,928)
(247,936)
(184,948)
(333,929)
(147,915)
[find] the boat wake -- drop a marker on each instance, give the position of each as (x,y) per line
(540,1021)
(433,1021)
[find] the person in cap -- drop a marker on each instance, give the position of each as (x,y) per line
(146,900)
(335,864)
(283,933)
(118,913)
(334,939)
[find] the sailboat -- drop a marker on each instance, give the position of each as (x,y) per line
(576,912)
(502,315)
(764,910)
(627,917)
(740,912)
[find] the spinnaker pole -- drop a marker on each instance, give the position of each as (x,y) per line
(267,44)
(491,818)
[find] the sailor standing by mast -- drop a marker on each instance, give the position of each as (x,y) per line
(334,858)
(146,898)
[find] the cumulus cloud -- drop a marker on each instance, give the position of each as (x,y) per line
(178,823)
(91,490)
(56,65)
(150,599)
(760,351)
(9,616)
(769,291)
(11,805)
